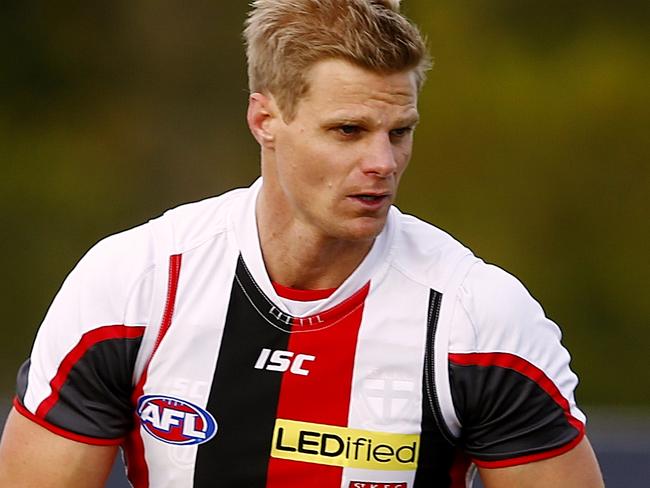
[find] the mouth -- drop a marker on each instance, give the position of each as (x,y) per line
(372,200)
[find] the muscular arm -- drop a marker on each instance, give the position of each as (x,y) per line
(33,457)
(577,468)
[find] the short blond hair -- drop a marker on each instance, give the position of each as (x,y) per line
(284,38)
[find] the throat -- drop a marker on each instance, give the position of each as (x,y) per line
(298,265)
(297,254)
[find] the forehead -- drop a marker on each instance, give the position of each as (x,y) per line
(339,86)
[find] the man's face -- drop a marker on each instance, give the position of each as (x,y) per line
(336,166)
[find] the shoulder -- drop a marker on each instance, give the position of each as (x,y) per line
(497,313)
(192,224)
(511,382)
(498,325)
(113,279)
(124,255)
(189,224)
(425,253)
(493,309)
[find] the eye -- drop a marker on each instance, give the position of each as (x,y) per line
(349,130)
(401,132)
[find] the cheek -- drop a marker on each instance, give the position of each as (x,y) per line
(402,157)
(306,170)
(311,164)
(317,164)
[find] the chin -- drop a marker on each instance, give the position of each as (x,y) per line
(365,230)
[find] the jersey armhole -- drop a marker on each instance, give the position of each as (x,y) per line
(440,343)
(163,242)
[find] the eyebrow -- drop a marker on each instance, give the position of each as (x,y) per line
(409,121)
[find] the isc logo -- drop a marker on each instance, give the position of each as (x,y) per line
(175,421)
(283,361)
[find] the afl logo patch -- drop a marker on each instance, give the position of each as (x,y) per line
(175,421)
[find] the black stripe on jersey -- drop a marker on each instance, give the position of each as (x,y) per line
(95,400)
(518,415)
(239,453)
(436,451)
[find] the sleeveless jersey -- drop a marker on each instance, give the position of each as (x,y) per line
(170,340)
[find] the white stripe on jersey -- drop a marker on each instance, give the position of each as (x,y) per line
(388,398)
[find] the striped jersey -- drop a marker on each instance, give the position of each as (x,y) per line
(171,341)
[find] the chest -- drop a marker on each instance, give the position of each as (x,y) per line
(338,396)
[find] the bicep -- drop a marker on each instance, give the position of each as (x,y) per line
(576,468)
(32,456)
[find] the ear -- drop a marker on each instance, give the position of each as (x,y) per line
(260,117)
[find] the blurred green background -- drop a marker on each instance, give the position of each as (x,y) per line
(533,150)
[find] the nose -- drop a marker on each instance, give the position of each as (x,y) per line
(380,157)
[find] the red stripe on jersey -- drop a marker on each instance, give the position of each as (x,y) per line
(175,262)
(88,340)
(323,395)
(138,472)
(532,372)
(95,441)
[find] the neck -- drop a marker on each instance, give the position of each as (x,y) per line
(297,256)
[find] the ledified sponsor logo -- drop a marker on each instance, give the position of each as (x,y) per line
(342,446)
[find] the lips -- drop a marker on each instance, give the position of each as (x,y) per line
(371,200)
(370,194)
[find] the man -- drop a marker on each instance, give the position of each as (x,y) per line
(301,332)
